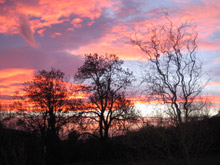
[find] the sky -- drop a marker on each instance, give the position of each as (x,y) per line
(40,34)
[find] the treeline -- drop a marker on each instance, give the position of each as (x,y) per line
(148,145)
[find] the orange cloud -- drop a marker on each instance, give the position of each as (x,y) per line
(41,32)
(206,15)
(115,41)
(77,22)
(156,99)
(213,98)
(214,83)
(56,34)
(11,80)
(50,11)
(45,14)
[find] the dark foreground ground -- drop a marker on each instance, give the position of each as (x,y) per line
(206,160)
(197,143)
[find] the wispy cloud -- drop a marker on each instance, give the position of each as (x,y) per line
(25,31)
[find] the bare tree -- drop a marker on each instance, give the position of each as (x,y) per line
(48,98)
(105,81)
(175,72)
(48,94)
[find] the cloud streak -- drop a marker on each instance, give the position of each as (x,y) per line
(25,31)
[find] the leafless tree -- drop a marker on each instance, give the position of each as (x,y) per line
(105,81)
(48,98)
(175,75)
(175,72)
(48,95)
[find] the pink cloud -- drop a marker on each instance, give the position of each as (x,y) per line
(41,32)
(205,44)
(46,12)
(206,15)
(56,34)
(2,1)
(217,60)
(77,22)
(214,83)
(110,44)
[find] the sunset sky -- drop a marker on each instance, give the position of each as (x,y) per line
(40,34)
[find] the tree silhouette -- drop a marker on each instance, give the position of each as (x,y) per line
(175,71)
(105,81)
(48,95)
(175,75)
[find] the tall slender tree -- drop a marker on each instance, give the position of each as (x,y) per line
(175,71)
